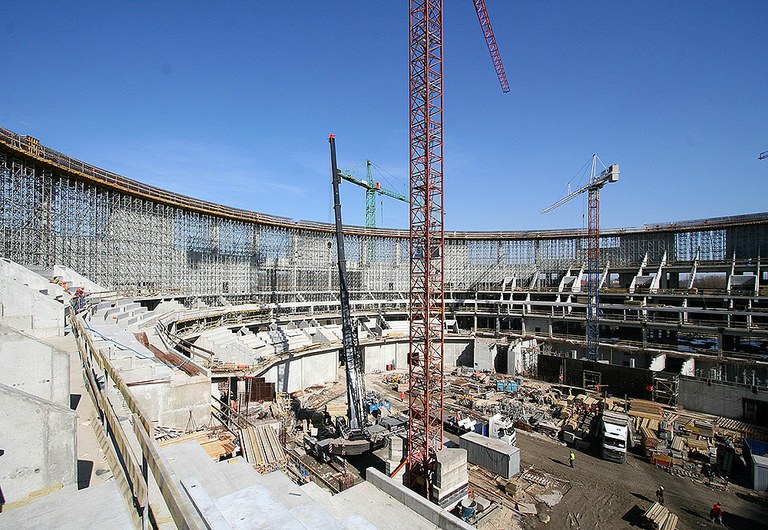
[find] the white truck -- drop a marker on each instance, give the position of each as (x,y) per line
(613,436)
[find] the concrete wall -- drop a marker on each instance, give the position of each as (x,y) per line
(484,350)
(433,513)
(33,366)
(38,440)
(29,310)
(716,398)
(319,369)
(521,356)
(76,280)
(20,274)
(302,371)
(378,356)
(458,354)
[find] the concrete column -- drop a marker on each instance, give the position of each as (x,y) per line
(689,367)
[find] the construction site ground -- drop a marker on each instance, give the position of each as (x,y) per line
(607,495)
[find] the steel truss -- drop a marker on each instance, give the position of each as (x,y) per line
(427,252)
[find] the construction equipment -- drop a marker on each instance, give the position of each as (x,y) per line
(427,295)
(763,155)
(371,189)
(490,40)
(613,436)
(352,433)
(593,187)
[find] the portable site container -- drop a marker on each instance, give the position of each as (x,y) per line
(494,455)
(757,459)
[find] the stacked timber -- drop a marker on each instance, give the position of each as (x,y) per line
(738,430)
(649,439)
(262,448)
(657,517)
(217,445)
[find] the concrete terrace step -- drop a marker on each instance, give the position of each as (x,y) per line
(67,508)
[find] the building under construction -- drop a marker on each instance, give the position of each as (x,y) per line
(207,334)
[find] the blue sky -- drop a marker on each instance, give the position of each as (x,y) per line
(233,102)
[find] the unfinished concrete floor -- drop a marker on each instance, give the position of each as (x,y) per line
(92,466)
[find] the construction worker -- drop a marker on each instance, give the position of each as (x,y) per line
(571,457)
(716,513)
(660,495)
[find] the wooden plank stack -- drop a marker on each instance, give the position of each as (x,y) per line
(739,430)
(657,517)
(262,448)
(217,445)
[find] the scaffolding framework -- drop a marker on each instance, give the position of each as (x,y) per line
(131,237)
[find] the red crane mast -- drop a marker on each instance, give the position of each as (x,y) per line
(427,297)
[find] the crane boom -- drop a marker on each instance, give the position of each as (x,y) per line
(352,354)
(608,175)
(490,40)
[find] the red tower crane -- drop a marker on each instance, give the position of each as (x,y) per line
(593,187)
(427,299)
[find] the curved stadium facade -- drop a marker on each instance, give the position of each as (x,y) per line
(696,284)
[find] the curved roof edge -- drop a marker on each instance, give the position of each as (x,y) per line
(29,147)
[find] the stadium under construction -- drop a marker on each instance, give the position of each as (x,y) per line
(209,340)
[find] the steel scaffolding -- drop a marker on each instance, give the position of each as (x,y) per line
(129,236)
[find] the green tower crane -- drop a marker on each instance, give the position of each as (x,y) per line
(371,189)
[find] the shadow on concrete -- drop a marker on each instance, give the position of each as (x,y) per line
(634,516)
(642,497)
(84,470)
(74,401)
(366,460)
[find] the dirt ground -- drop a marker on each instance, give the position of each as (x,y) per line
(607,495)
